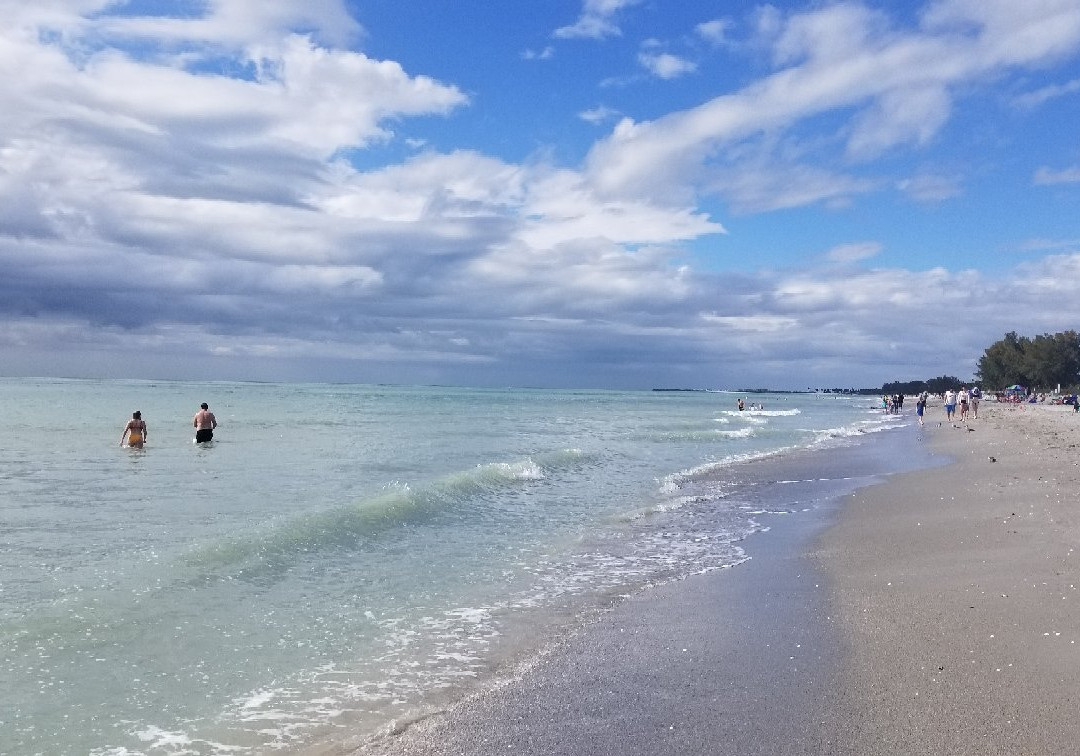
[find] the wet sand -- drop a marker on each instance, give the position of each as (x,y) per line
(933,614)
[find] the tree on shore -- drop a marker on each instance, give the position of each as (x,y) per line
(938,385)
(1043,362)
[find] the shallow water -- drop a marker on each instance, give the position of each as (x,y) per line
(339,553)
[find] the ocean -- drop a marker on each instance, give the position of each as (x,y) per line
(345,558)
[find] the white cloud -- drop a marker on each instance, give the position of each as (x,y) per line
(761,184)
(666,65)
(563,207)
(599,114)
(1048,176)
(714,31)
(872,300)
(316,98)
(767,21)
(1032,100)
(1051,245)
(596,20)
(585,277)
(930,188)
(429,186)
(854,252)
(836,34)
(546,54)
(238,24)
(904,115)
(345,97)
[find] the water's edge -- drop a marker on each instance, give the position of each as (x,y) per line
(760,622)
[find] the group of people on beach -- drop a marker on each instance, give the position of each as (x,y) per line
(967,400)
(204,423)
(1017,395)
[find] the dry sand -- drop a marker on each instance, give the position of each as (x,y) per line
(957,591)
(939,614)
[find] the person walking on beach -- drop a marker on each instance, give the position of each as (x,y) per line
(134,431)
(204,423)
(950,404)
(962,398)
(920,407)
(976,395)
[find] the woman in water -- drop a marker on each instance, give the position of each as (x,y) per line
(134,431)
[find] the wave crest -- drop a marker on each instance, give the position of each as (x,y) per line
(282,542)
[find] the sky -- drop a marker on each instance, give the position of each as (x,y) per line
(557,193)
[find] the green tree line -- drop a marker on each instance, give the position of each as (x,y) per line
(1041,363)
(938,385)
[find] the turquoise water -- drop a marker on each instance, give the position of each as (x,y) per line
(340,556)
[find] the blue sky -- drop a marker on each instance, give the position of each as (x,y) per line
(613,193)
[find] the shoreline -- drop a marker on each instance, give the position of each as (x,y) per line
(679,667)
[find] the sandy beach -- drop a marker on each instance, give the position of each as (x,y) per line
(956,593)
(934,613)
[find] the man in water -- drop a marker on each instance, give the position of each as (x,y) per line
(204,423)
(134,431)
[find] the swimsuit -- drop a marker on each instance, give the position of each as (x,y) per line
(202,435)
(136,433)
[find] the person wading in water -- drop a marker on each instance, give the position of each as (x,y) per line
(204,423)
(134,431)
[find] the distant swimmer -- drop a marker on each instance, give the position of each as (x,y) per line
(204,423)
(134,431)
(742,405)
